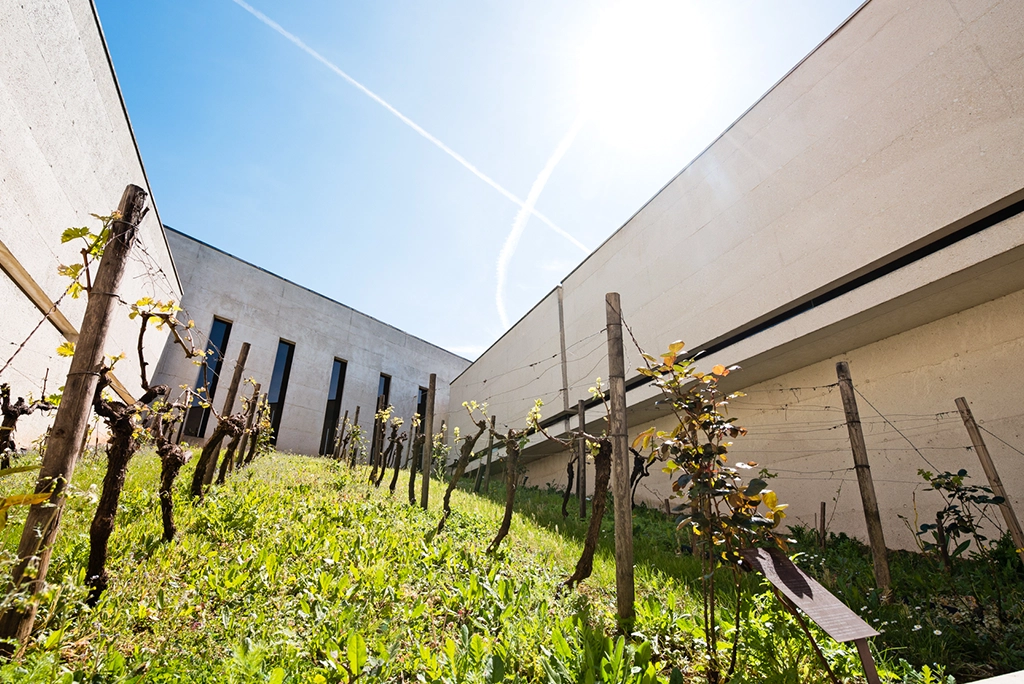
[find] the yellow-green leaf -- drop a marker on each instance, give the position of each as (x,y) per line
(23,500)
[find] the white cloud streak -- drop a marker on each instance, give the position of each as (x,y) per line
(523,215)
(408,122)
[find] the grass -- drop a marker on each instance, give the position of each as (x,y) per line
(297,571)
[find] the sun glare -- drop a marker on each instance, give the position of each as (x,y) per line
(646,71)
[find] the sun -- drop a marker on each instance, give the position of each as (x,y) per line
(646,70)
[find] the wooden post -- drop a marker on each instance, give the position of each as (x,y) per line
(879,555)
(565,380)
(1012,523)
(355,423)
(250,418)
(581,474)
(229,403)
(428,443)
(480,468)
(624,587)
(821,527)
(67,436)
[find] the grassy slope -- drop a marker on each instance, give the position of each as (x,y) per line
(283,574)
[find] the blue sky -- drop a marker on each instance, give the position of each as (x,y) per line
(255,146)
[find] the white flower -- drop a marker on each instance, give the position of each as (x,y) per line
(917,627)
(937,632)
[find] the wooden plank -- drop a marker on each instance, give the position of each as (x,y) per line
(831,614)
(27,284)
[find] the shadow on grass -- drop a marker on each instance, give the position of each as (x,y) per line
(655,543)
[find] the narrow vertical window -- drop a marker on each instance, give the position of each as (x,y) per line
(383,397)
(333,406)
(279,385)
(421,409)
(209,373)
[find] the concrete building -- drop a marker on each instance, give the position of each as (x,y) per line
(316,357)
(66,150)
(867,208)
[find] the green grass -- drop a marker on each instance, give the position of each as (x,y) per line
(297,571)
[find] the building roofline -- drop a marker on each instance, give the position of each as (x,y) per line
(135,141)
(540,301)
(721,135)
(672,180)
(311,291)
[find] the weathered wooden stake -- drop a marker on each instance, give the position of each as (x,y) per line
(624,586)
(879,555)
(581,475)
(354,446)
(821,527)
(67,436)
(1012,523)
(490,454)
(428,442)
(229,403)
(480,469)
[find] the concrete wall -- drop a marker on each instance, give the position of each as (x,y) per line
(66,150)
(264,308)
(907,385)
(870,194)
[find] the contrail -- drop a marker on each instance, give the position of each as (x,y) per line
(406,120)
(523,215)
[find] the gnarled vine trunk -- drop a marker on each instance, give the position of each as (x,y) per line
(602,474)
(465,452)
(228,463)
(228,426)
(415,453)
(11,413)
(570,472)
(172,457)
(512,451)
(398,461)
(121,446)
(384,456)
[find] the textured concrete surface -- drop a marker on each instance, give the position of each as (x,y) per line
(66,150)
(891,136)
(264,308)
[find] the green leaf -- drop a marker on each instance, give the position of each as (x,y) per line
(755,487)
(20,469)
(356,651)
(497,669)
(277,676)
(70,234)
(66,349)
(24,500)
